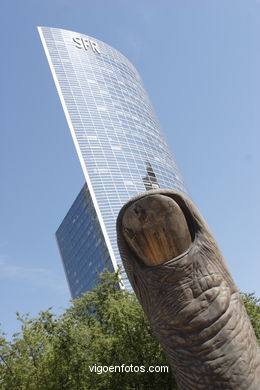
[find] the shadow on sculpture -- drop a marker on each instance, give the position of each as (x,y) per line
(187,293)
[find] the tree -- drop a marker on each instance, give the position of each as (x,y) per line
(252,305)
(106,327)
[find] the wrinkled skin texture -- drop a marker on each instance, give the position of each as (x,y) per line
(194,308)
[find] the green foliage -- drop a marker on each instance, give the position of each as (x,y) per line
(253,310)
(106,327)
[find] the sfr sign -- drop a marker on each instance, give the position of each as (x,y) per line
(86,44)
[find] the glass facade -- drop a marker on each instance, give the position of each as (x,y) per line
(79,239)
(119,141)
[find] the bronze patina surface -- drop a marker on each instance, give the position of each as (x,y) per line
(187,293)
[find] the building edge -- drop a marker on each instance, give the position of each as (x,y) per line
(83,166)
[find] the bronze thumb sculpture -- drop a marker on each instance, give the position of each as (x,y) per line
(187,293)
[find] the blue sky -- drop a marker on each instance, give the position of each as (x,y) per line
(200,63)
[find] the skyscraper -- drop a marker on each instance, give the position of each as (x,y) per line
(119,141)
